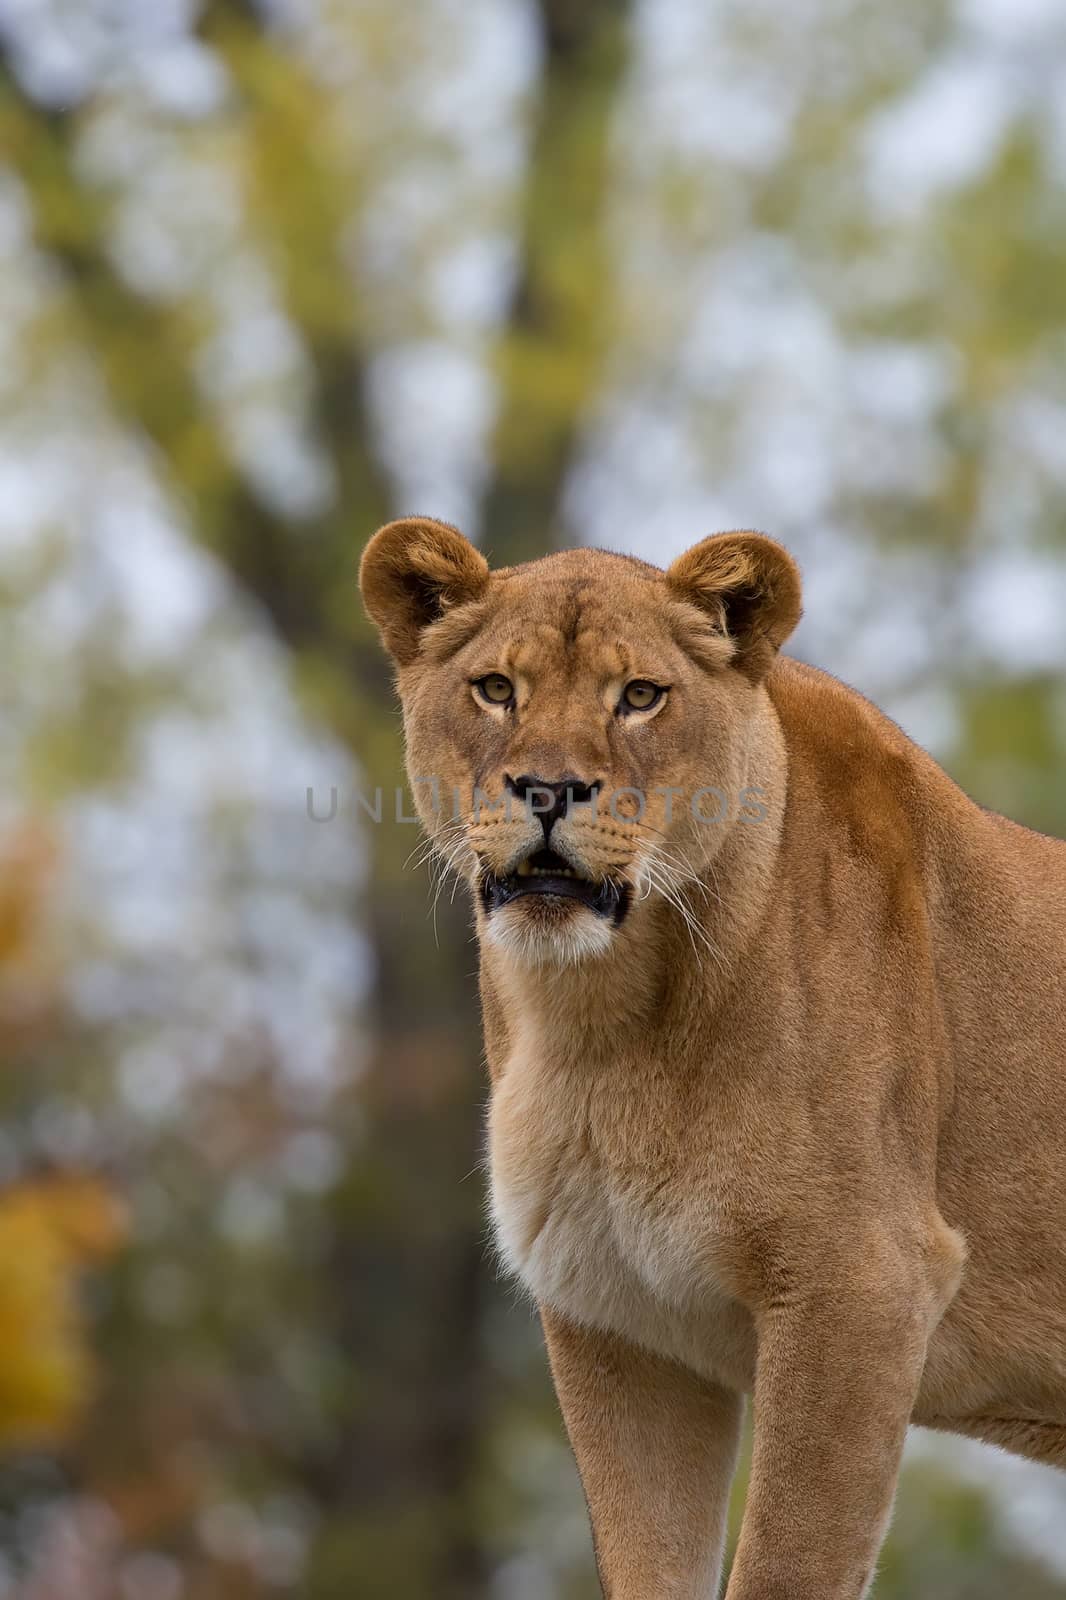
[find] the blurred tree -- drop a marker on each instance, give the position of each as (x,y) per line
(407,1274)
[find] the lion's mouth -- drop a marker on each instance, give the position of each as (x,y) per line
(545,873)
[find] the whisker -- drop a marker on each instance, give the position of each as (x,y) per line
(673,893)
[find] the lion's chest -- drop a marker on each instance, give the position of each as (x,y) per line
(607,1241)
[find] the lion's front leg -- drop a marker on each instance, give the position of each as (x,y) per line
(837,1374)
(656,1447)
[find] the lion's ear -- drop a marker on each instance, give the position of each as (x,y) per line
(413,571)
(751,587)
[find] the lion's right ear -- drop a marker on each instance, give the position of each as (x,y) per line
(413,571)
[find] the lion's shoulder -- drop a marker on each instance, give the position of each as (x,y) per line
(858,773)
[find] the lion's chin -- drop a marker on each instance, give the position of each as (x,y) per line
(546,930)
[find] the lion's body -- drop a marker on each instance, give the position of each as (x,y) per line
(897,1018)
(802,1137)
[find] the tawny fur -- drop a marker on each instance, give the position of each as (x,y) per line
(794,1130)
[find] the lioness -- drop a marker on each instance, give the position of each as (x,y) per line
(776,1024)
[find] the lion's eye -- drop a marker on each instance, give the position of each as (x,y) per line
(640,695)
(495,689)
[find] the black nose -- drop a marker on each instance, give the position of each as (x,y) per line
(549,799)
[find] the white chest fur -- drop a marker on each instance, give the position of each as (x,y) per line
(597,1239)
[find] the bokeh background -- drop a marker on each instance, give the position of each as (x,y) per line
(557,270)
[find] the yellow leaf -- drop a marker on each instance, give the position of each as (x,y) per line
(48,1229)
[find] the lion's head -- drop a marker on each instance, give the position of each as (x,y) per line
(579,727)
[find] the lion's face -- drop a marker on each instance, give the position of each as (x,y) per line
(577,728)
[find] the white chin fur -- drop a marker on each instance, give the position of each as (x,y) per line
(583,936)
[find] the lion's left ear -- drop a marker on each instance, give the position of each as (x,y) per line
(413,571)
(751,587)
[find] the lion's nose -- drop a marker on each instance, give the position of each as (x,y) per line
(550,798)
